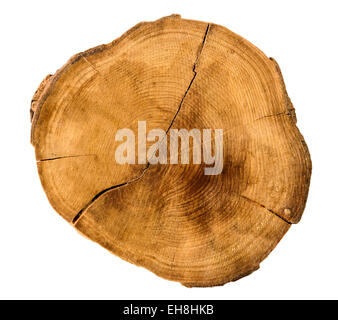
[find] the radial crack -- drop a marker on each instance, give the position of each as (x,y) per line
(273,115)
(93,199)
(195,65)
(65,157)
(193,78)
(263,206)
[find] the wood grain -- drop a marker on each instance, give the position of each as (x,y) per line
(173,219)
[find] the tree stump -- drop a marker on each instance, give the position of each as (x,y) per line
(173,219)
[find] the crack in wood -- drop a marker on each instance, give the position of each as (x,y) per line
(195,65)
(65,157)
(266,208)
(274,115)
(76,218)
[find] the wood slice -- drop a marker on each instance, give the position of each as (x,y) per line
(178,222)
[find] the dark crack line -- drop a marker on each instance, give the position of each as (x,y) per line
(65,157)
(273,115)
(263,206)
(77,217)
(93,199)
(193,78)
(79,214)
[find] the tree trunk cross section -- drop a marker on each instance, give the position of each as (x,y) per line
(173,219)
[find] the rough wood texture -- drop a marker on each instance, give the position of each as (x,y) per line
(172,219)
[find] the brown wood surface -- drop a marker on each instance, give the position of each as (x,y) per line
(173,219)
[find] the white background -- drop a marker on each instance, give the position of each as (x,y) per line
(41,256)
